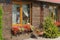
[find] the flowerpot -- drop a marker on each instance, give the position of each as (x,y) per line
(40,33)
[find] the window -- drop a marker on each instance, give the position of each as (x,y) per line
(52,10)
(26,13)
(21,13)
(16,14)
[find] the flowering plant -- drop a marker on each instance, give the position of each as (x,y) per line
(27,27)
(15,29)
(57,23)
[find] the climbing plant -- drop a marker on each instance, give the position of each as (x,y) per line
(1,23)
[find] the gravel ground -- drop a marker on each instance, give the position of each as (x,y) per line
(27,37)
(40,38)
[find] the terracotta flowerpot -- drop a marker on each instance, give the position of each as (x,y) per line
(41,33)
(57,23)
(26,27)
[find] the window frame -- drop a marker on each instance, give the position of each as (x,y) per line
(21,14)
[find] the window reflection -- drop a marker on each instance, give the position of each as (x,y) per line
(26,13)
(16,14)
(52,10)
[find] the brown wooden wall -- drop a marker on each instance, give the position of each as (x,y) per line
(37,17)
(35,14)
(7,21)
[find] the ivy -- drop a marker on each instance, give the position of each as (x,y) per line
(1,23)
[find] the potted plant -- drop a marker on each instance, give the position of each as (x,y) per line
(15,29)
(27,27)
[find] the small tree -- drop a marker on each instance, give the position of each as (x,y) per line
(50,29)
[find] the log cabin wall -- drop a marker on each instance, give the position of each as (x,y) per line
(7,20)
(35,14)
(38,15)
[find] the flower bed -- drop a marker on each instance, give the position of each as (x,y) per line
(24,28)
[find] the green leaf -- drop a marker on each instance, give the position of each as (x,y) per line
(50,29)
(1,23)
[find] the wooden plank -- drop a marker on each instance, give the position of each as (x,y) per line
(21,13)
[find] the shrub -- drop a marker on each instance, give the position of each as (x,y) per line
(50,29)
(1,23)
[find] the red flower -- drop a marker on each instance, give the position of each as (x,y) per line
(57,23)
(26,26)
(15,29)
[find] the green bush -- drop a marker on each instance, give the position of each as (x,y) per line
(1,23)
(50,29)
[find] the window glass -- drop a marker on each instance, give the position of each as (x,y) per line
(52,10)
(16,14)
(26,13)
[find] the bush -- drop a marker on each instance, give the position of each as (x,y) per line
(50,29)
(1,23)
